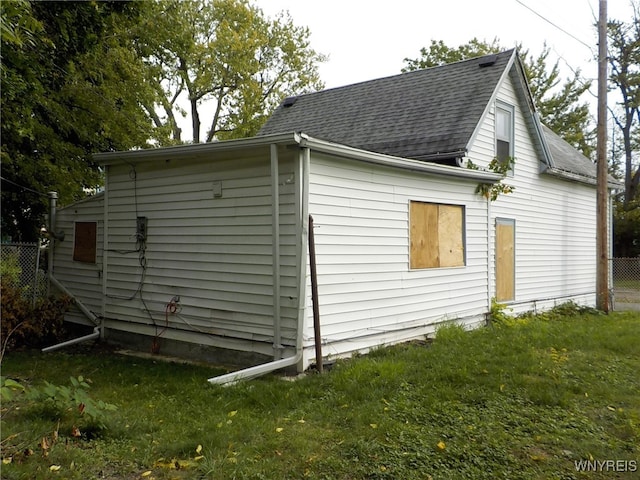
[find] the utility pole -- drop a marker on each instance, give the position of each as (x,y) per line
(602,197)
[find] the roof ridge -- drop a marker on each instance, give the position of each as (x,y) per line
(507,52)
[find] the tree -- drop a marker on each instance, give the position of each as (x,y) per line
(223,60)
(624,77)
(624,60)
(560,109)
(64,65)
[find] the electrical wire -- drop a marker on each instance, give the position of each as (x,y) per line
(169,309)
(23,187)
(554,25)
(141,249)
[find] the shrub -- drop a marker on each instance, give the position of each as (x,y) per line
(24,325)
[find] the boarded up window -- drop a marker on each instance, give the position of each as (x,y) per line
(84,242)
(436,235)
(505,260)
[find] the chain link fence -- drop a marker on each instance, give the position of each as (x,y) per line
(21,266)
(626,281)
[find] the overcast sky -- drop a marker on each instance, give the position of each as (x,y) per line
(368,39)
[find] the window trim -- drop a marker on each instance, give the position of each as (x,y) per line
(510,110)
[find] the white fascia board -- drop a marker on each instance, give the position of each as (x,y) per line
(197,149)
(89,198)
(302,140)
(396,162)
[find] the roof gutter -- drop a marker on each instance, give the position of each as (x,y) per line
(303,140)
(576,177)
(192,149)
(396,162)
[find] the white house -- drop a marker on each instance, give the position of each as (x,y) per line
(207,245)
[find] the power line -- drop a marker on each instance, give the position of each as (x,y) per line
(23,187)
(555,25)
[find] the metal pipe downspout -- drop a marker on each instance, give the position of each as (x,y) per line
(258,370)
(83,309)
(275,253)
(53,198)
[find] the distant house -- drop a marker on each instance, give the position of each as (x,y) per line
(208,244)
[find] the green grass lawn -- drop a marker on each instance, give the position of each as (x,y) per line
(523,401)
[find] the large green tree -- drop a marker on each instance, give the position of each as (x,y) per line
(222,64)
(624,83)
(65,66)
(558,101)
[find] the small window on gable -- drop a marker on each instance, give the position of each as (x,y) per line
(84,242)
(436,235)
(504,132)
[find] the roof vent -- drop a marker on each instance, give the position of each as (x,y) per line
(289,101)
(488,61)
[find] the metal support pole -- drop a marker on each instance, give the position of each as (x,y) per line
(314,296)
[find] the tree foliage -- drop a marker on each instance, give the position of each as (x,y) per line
(64,65)
(624,79)
(225,62)
(92,76)
(624,61)
(558,102)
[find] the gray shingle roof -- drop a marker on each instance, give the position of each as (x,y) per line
(416,115)
(566,158)
(426,114)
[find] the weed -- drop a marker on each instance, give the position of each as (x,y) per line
(498,314)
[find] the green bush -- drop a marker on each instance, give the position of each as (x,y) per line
(24,325)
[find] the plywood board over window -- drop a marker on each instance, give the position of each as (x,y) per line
(84,242)
(436,235)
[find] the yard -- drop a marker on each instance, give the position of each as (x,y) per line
(548,397)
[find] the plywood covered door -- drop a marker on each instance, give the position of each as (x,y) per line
(505,259)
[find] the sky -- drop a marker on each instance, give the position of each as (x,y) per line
(366,39)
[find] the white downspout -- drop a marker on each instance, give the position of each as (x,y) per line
(83,309)
(105,249)
(489,229)
(258,370)
(275,251)
(53,198)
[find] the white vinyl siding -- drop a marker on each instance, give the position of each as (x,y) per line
(83,279)
(555,254)
(213,251)
(366,286)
